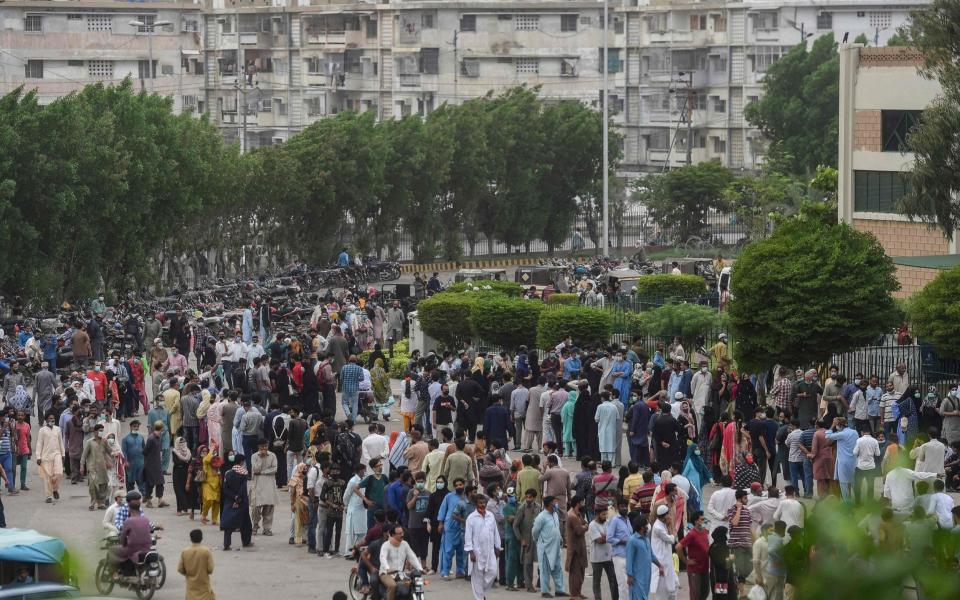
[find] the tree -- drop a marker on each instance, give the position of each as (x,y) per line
(685,320)
(808,291)
(446,317)
(754,197)
(899,38)
(934,194)
(935,313)
(799,110)
(681,199)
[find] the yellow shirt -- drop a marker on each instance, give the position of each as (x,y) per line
(196,564)
(631,483)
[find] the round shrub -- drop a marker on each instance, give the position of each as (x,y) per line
(670,286)
(558,298)
(583,324)
(505,322)
(446,318)
(508,288)
(681,319)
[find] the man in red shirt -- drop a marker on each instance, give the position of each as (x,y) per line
(694,548)
(99,379)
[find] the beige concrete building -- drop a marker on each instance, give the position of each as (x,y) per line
(881,96)
(56,48)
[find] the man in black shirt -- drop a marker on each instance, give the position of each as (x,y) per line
(331,499)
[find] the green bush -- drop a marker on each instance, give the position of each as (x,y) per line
(505,322)
(508,288)
(670,286)
(584,325)
(935,313)
(557,298)
(678,319)
(446,317)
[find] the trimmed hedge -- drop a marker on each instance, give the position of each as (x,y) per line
(446,317)
(508,288)
(505,322)
(583,324)
(558,298)
(670,286)
(398,364)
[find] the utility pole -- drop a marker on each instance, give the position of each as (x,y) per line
(456,66)
(606,143)
(150,29)
(689,103)
(242,73)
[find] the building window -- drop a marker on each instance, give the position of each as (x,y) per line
(468,22)
(313,107)
(371,28)
(657,140)
(226,25)
(74,17)
(656,23)
(766,21)
(100,69)
(426,21)
(614,65)
(616,103)
(281,107)
(143,68)
(719,146)
(896,126)
(527,22)
(527,66)
(719,104)
(698,22)
(764,56)
(430,61)
(99,23)
(878,191)
(33,69)
(470,67)
(33,24)
(188,103)
(568,67)
(879,19)
(825,21)
(147,21)
(568,22)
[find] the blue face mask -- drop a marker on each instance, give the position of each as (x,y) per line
(512,500)
(441,485)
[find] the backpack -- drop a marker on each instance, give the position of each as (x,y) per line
(523,366)
(321,375)
(345,452)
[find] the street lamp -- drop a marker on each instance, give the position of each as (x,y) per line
(150,27)
(605,238)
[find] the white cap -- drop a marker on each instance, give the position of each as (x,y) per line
(662,510)
(722,336)
(678,396)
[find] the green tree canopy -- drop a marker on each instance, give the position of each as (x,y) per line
(682,198)
(935,313)
(808,291)
(799,110)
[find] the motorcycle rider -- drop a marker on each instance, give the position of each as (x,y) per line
(136,536)
(394,554)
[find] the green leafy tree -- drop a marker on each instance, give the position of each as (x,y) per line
(810,290)
(446,317)
(681,199)
(935,313)
(755,197)
(799,110)
(900,38)
(681,319)
(584,325)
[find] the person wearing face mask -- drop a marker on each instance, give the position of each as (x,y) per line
(482,542)
(417,502)
(523,529)
(700,387)
(513,574)
(618,534)
(452,541)
(546,532)
(433,523)
(909,407)
(50,453)
(694,550)
(575,535)
(93,465)
(663,581)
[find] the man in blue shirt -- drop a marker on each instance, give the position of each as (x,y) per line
(619,531)
(397,492)
(350,376)
(572,366)
(343,259)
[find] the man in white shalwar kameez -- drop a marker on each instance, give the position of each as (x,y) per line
(663,585)
(482,542)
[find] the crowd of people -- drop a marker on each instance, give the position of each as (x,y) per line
(474,485)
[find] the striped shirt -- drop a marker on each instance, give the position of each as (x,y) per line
(740,535)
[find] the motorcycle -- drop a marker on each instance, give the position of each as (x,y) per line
(144,577)
(410,586)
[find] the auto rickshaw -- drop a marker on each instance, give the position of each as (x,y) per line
(45,558)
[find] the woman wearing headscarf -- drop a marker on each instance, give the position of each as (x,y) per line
(310,394)
(236,505)
(585,431)
(380,382)
(678,508)
(723,571)
(746,395)
(206,397)
(209,483)
(569,447)
(715,445)
(116,464)
(182,459)
(696,472)
(688,421)
(299,503)
(910,405)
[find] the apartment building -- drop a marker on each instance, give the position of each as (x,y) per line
(692,66)
(56,48)
(881,97)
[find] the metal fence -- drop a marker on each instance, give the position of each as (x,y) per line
(630,230)
(923,364)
